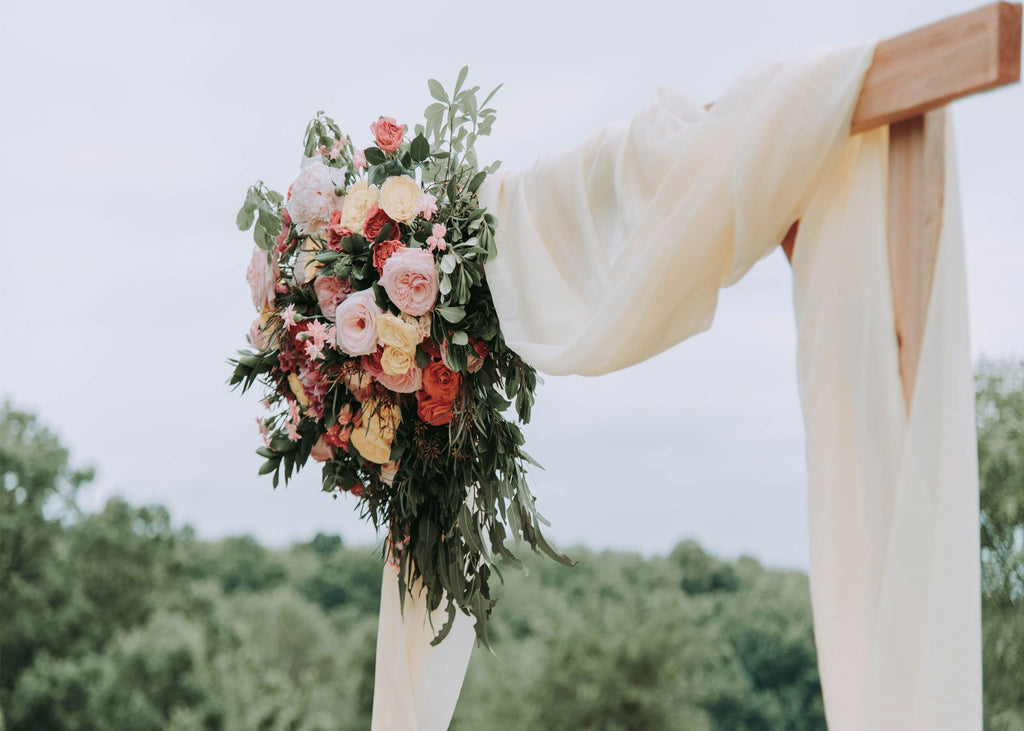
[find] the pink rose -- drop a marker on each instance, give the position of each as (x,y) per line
(356,331)
(383,251)
(262,276)
(410,279)
(322,450)
(313,196)
(408,382)
(331,292)
(388,134)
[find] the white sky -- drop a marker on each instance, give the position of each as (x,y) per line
(130,131)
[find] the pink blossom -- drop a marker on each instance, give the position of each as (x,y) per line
(264,431)
(293,433)
(356,331)
(436,240)
(288,316)
(426,205)
(294,415)
(410,279)
(314,350)
(318,330)
(330,292)
(359,159)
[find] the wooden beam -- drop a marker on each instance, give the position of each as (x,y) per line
(931,66)
(917,178)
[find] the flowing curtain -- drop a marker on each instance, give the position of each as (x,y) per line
(614,251)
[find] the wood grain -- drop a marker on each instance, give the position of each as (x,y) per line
(933,65)
(917,175)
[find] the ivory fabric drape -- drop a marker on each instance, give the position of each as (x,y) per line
(614,251)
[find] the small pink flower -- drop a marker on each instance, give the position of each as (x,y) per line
(314,350)
(388,134)
(293,433)
(294,415)
(289,316)
(318,331)
(264,431)
(436,241)
(359,160)
(426,205)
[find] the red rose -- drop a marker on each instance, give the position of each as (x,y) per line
(375,220)
(388,134)
(371,363)
(432,410)
(429,347)
(441,382)
(383,251)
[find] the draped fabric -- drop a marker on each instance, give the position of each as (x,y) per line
(614,251)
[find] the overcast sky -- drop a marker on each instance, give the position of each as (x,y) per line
(131,130)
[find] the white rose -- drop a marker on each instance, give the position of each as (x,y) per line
(358,200)
(312,196)
(399,198)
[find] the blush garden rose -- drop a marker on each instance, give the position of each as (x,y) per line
(383,360)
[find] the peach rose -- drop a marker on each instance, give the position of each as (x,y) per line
(331,292)
(387,133)
(373,439)
(262,276)
(322,450)
(356,332)
(397,362)
(408,382)
(410,279)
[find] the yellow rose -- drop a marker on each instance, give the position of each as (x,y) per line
(360,197)
(396,362)
(398,333)
(399,197)
(373,439)
(422,324)
(296,386)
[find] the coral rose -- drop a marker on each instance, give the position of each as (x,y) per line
(387,133)
(356,332)
(331,292)
(400,198)
(433,411)
(441,382)
(360,197)
(410,279)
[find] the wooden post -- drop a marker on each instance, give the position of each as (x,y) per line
(917,174)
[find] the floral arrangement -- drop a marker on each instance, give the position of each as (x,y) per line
(380,349)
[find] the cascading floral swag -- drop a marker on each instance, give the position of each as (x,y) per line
(380,349)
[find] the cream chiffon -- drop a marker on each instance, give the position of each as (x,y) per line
(611,252)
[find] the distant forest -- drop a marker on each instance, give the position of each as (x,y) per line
(116,620)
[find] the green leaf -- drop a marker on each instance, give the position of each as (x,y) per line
(451,314)
(462,78)
(448,263)
(246,216)
(437,91)
(374,155)
(476,181)
(460,338)
(419,149)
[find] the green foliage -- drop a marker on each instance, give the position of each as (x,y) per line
(1000,407)
(118,620)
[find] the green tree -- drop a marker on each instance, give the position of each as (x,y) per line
(1000,409)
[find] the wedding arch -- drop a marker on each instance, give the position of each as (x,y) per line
(873,234)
